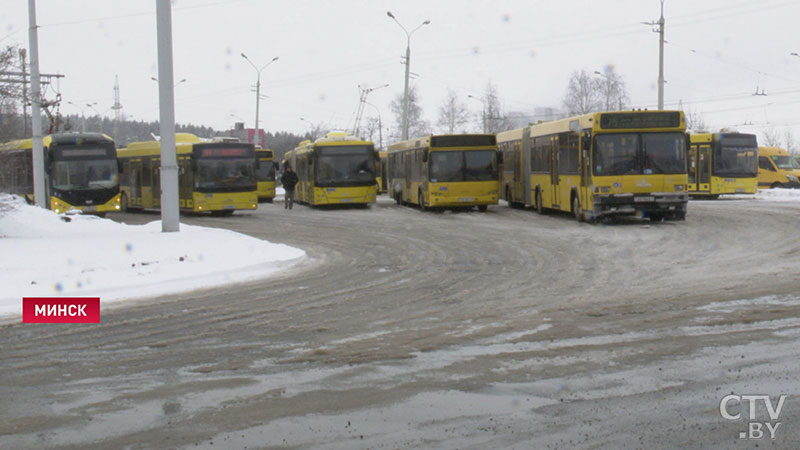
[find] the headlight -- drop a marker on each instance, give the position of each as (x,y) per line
(678,187)
(791,178)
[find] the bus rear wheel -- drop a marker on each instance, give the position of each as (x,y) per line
(483,208)
(576,209)
(421,203)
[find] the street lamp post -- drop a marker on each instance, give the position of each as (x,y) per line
(314,128)
(99,115)
(175,85)
(83,116)
(380,125)
(408,68)
(258,87)
(483,113)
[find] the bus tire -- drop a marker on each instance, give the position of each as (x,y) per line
(776,185)
(576,208)
(421,203)
(539,207)
(483,208)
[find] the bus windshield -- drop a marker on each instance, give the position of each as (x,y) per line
(786,162)
(736,157)
(226,174)
(345,166)
(266,171)
(640,154)
(470,165)
(83,174)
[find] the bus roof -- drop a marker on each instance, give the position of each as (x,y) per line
(184,143)
(444,140)
(76,138)
(616,121)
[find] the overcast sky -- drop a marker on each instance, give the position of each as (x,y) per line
(719,53)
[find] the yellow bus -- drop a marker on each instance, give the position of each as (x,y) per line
(338,169)
(445,171)
(722,163)
(777,168)
(599,165)
(265,175)
(215,177)
(81,169)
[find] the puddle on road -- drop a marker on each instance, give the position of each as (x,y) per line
(414,422)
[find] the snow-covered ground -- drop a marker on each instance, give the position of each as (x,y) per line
(43,255)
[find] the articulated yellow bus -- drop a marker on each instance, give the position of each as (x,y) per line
(216,177)
(723,163)
(599,165)
(265,175)
(338,169)
(445,171)
(81,168)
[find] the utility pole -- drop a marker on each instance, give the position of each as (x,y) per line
(39,182)
(408,68)
(660,31)
(362,101)
(170,221)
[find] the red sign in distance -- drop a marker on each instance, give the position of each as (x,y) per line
(61,310)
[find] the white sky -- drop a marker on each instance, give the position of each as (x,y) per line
(43,256)
(718,53)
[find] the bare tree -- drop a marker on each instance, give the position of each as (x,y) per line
(10,94)
(695,121)
(417,126)
(788,140)
(582,94)
(612,89)
(770,137)
(453,113)
(494,114)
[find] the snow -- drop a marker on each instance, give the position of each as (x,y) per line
(43,255)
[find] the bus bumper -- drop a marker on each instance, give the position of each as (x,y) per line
(632,204)
(60,206)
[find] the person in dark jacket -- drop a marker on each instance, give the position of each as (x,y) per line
(289,181)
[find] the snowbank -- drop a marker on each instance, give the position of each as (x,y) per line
(41,254)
